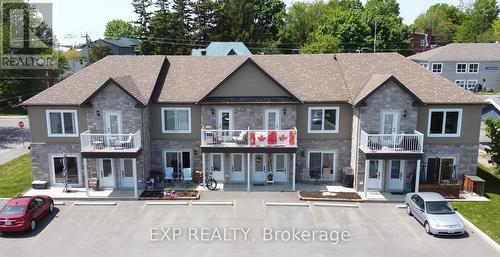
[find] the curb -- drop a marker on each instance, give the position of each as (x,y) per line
(336,205)
(167,203)
(59,203)
(212,203)
(480,233)
(13,116)
(287,204)
(95,203)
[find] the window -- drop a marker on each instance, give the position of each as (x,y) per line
(460,83)
(176,120)
(321,165)
(437,67)
(461,67)
(473,67)
(425,65)
(72,168)
(323,120)
(444,122)
(62,123)
(440,169)
(177,161)
(422,42)
(471,84)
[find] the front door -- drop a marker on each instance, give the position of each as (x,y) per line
(112,125)
(389,125)
(237,167)
(272,120)
(217,166)
(126,173)
(225,122)
(280,164)
(375,175)
(396,175)
(259,161)
(106,172)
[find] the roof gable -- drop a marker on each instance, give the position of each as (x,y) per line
(126,84)
(376,82)
(249,80)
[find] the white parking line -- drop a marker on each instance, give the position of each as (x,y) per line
(95,203)
(59,203)
(337,205)
(212,203)
(287,204)
(166,203)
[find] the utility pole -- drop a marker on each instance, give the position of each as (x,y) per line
(375,38)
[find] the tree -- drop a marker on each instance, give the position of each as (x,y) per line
(142,24)
(496,29)
(97,52)
(182,25)
(442,20)
(160,28)
(478,21)
(493,132)
(322,43)
(204,20)
(236,20)
(269,16)
(116,29)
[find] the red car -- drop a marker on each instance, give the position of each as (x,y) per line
(23,213)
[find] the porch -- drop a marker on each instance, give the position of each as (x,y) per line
(110,145)
(392,143)
(57,192)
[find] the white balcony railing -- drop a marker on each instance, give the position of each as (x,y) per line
(249,138)
(110,142)
(383,143)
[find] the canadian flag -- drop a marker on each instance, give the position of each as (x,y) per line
(260,138)
(283,137)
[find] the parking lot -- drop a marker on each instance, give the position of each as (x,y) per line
(125,229)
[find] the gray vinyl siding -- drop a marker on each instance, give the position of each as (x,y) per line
(489,78)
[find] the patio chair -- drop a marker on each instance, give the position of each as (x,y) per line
(169,174)
(240,139)
(126,142)
(187,175)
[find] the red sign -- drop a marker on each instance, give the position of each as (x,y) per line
(21,124)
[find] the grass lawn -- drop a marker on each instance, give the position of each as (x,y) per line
(15,176)
(485,215)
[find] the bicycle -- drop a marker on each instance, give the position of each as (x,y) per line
(210,182)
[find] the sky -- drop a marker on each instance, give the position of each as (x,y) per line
(75,18)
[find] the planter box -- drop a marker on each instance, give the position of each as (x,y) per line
(339,196)
(158,195)
(446,190)
(38,184)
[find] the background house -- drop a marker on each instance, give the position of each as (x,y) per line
(123,46)
(465,64)
(221,49)
(423,41)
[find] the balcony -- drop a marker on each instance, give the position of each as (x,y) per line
(392,143)
(249,140)
(110,145)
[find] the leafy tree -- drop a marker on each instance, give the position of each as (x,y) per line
(269,16)
(493,132)
(97,52)
(478,21)
(442,20)
(236,20)
(204,21)
(116,29)
(496,29)
(182,25)
(142,24)
(322,43)
(160,31)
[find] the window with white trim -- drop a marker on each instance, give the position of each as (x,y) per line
(444,122)
(437,67)
(471,84)
(461,68)
(474,68)
(321,165)
(323,120)
(62,123)
(460,83)
(176,120)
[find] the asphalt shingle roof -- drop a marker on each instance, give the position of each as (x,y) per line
(461,52)
(310,78)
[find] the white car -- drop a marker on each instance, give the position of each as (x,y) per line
(435,213)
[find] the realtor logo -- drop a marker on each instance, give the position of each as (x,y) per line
(27,39)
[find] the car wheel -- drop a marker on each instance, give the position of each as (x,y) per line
(427,228)
(408,210)
(32,225)
(51,207)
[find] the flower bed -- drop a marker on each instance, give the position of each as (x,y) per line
(174,195)
(330,196)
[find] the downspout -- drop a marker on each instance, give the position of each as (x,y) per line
(358,132)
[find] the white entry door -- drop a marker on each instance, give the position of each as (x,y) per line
(112,125)
(375,175)
(272,120)
(217,166)
(126,173)
(107,173)
(389,122)
(225,122)
(259,165)
(396,175)
(280,167)
(237,167)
